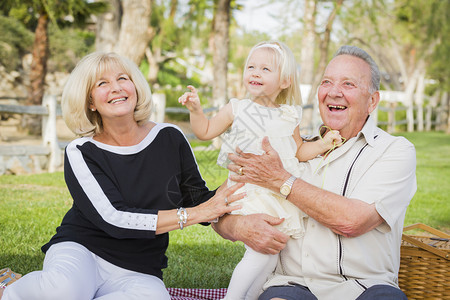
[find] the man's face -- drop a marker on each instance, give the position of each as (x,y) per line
(344,98)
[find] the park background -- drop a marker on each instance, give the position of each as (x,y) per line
(205,43)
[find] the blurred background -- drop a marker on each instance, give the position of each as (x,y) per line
(205,43)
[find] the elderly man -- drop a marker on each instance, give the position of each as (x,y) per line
(356,197)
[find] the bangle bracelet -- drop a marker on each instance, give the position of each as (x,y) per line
(182,216)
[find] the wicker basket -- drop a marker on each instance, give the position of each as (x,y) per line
(425,264)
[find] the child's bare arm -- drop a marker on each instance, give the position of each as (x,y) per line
(204,128)
(310,150)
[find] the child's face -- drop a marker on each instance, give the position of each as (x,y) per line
(262,77)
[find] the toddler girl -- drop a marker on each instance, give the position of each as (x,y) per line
(273,109)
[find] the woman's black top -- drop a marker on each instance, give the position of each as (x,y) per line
(118,191)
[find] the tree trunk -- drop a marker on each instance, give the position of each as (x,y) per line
(108,27)
(135,31)
(154,54)
(308,116)
(220,47)
(308,43)
(447,130)
(38,68)
(153,66)
(419,99)
(411,86)
(38,71)
(220,53)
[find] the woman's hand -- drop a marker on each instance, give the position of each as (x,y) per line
(218,205)
(265,170)
(215,207)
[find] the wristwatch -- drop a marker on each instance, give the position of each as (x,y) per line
(286,187)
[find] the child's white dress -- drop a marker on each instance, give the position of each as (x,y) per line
(252,122)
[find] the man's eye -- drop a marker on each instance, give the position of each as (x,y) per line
(325,82)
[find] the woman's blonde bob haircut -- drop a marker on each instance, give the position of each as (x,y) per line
(289,70)
(77,92)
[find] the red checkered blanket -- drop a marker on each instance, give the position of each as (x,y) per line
(196,294)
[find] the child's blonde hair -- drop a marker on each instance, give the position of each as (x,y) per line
(77,91)
(285,60)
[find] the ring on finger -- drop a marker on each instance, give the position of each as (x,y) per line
(226,201)
(241,171)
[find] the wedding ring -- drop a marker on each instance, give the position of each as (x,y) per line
(226,201)
(241,171)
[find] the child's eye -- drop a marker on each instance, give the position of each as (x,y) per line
(266,69)
(250,67)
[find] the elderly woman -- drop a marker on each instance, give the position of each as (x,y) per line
(132,181)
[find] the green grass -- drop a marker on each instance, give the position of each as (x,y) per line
(430,204)
(32,206)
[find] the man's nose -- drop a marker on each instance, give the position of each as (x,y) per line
(335,91)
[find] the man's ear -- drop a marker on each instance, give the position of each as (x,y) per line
(374,100)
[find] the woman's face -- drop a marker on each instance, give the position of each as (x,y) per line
(113,95)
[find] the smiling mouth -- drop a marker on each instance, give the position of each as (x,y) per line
(336,107)
(117,100)
(255,83)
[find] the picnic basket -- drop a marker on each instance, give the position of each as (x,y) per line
(425,264)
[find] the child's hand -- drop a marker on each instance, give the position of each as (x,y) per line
(191,99)
(332,139)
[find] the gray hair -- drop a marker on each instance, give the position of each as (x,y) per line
(360,53)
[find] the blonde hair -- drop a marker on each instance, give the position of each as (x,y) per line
(285,60)
(76,94)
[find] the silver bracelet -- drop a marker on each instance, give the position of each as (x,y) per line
(182,216)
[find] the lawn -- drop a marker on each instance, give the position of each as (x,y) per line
(32,206)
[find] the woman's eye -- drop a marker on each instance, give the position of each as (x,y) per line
(101,83)
(123,77)
(348,83)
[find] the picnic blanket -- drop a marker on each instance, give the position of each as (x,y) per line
(196,294)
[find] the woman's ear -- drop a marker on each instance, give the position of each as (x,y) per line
(91,104)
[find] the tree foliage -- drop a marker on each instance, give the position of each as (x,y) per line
(15,41)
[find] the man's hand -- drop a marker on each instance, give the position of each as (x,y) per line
(265,170)
(256,231)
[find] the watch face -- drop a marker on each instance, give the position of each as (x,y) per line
(285,190)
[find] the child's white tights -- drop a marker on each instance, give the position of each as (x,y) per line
(250,275)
